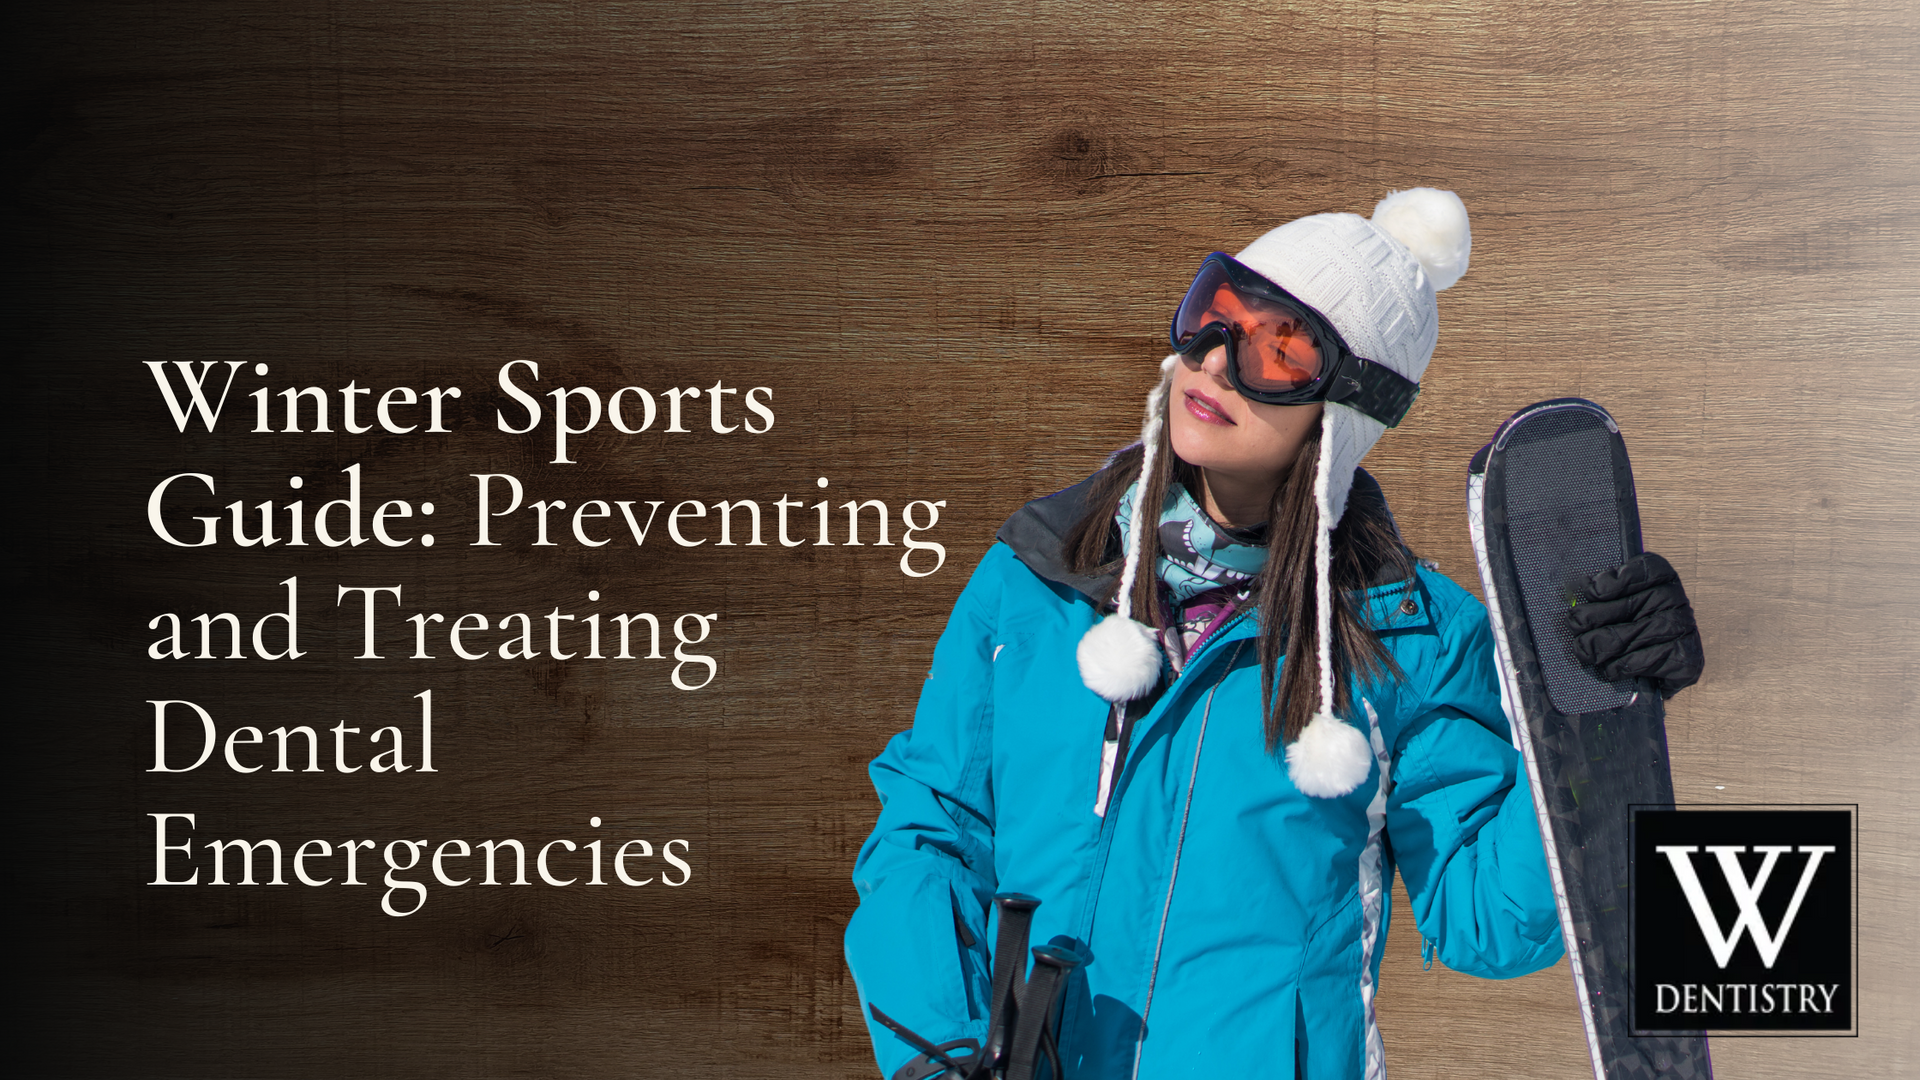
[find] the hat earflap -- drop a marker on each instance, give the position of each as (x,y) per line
(1119,657)
(1330,757)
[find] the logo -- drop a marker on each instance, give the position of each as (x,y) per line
(1746,894)
(1744,920)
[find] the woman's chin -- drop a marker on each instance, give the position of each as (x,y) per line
(1262,444)
(1209,446)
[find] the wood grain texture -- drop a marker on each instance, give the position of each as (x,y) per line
(949,237)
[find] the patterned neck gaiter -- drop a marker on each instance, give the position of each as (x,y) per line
(1196,555)
(1204,569)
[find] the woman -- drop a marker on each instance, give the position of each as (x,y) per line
(1205,739)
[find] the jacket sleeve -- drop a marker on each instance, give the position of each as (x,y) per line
(1461,819)
(926,875)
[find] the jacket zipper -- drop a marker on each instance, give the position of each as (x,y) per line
(1219,625)
(1097,871)
(1113,748)
(1173,874)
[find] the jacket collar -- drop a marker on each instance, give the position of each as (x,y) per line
(1037,530)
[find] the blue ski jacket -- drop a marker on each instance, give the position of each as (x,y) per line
(1233,925)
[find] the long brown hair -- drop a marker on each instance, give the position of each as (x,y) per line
(1364,545)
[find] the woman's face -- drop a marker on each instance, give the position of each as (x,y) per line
(1243,447)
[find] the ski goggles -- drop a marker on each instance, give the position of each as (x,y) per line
(1280,351)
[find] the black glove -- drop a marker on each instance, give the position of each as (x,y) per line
(1633,621)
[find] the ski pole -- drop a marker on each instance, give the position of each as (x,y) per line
(1051,966)
(1009,977)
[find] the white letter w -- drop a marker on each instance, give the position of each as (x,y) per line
(1745,894)
(195,389)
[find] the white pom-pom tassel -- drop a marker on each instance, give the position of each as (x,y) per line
(1330,758)
(1433,225)
(1119,659)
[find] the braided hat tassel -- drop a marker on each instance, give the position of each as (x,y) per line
(1120,657)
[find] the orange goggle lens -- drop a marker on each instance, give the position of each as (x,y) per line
(1274,348)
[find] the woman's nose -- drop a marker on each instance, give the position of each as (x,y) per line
(1215,362)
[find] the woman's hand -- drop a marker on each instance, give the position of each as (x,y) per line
(1633,621)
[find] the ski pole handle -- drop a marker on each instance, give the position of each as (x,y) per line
(1051,966)
(1009,973)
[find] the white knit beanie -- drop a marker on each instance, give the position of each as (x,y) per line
(1374,280)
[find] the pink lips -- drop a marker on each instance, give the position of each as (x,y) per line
(1207,410)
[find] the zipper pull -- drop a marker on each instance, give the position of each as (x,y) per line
(1428,947)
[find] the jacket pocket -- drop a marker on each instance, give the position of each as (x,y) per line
(1330,1024)
(969,937)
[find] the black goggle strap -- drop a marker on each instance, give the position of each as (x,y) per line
(1371,388)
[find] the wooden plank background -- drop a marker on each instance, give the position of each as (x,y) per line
(949,237)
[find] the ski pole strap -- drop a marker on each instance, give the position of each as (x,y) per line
(1052,1050)
(933,1060)
(1051,965)
(926,1068)
(1009,972)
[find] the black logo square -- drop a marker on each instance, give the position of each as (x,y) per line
(1744,920)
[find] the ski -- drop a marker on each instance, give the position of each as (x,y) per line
(1549,499)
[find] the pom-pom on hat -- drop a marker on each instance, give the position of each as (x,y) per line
(1374,280)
